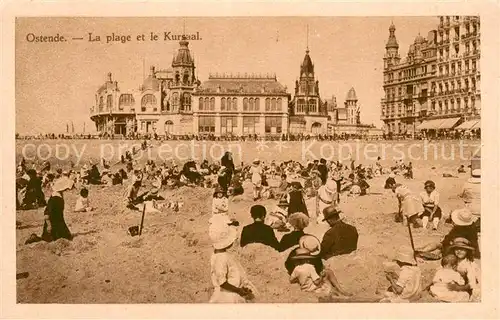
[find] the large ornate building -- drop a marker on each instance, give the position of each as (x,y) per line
(436,86)
(240,104)
(174,102)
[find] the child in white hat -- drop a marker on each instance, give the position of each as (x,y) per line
(406,286)
(229,279)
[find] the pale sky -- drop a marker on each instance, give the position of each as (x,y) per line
(56,82)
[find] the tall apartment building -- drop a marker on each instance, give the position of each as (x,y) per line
(455,92)
(437,86)
(407,82)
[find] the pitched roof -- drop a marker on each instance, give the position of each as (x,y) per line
(351,95)
(307,66)
(242,85)
(183,56)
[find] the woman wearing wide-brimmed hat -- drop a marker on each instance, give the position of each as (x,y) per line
(463,227)
(229,279)
(468,267)
(54,226)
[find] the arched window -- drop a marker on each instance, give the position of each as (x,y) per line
(235,104)
(257,104)
(316,128)
(268,104)
(279,107)
(245,104)
(169,126)
(101,103)
(312,105)
(200,104)
(109,102)
(175,99)
(125,100)
(223,104)
(187,102)
(212,103)
(273,104)
(148,101)
(207,104)
(251,104)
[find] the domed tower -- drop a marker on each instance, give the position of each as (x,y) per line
(184,79)
(351,104)
(391,48)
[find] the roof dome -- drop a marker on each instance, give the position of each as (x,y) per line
(151,82)
(307,66)
(392,42)
(419,39)
(351,95)
(183,56)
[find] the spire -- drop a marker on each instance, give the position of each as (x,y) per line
(392,42)
(183,57)
(307,66)
(307,39)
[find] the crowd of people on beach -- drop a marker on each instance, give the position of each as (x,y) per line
(324,183)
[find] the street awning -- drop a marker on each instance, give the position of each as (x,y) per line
(449,123)
(430,124)
(467,125)
(477,125)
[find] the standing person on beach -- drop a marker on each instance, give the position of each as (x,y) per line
(54,226)
(408,205)
(295,199)
(227,161)
(323,170)
(256,171)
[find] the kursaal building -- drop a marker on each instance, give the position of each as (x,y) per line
(174,102)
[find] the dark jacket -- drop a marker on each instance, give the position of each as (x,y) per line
(342,238)
(258,232)
(323,171)
(290,239)
(297,203)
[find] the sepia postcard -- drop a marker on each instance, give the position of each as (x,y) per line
(181,160)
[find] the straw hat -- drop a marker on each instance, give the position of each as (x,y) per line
(61,184)
(256,160)
(462,217)
(222,235)
(301,254)
(310,243)
(331,186)
(461,243)
(406,256)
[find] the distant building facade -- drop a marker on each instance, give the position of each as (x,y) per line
(174,102)
(436,87)
(240,105)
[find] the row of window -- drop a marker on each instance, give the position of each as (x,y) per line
(451,104)
(454,84)
(457,67)
(249,104)
(228,125)
(302,106)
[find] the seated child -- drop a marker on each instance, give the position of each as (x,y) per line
(258,231)
(82,203)
(407,286)
(220,203)
(445,275)
(304,273)
(277,218)
(282,188)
